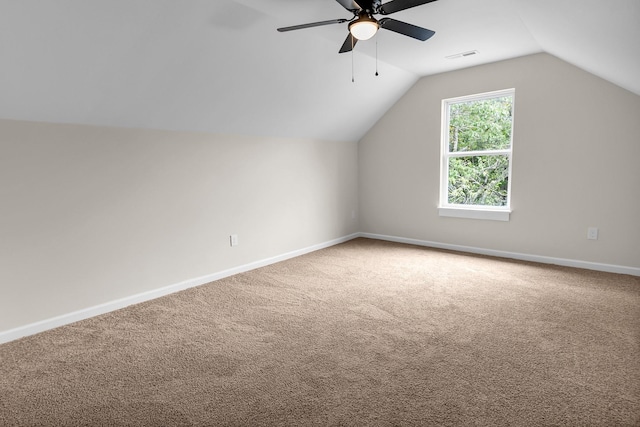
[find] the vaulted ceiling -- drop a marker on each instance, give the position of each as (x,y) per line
(220,65)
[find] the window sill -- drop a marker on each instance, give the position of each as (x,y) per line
(475,213)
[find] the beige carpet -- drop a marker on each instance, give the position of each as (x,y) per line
(363,333)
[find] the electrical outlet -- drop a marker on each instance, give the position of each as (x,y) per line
(592,233)
(233,239)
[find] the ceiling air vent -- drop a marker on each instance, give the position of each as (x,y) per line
(462,54)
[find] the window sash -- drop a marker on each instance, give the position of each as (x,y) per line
(479,153)
(470,211)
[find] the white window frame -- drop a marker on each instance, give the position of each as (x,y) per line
(497,213)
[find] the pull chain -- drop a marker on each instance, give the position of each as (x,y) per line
(376,54)
(352,72)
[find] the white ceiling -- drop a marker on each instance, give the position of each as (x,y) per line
(220,65)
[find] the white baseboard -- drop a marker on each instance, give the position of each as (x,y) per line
(610,268)
(65,319)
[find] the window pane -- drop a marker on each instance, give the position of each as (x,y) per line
(478,180)
(480,125)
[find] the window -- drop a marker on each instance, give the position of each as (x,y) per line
(475,172)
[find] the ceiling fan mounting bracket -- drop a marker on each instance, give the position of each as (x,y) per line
(375,6)
(370,8)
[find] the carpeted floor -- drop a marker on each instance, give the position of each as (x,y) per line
(363,333)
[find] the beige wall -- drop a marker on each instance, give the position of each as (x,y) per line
(576,164)
(90,215)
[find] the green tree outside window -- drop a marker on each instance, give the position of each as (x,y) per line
(479,150)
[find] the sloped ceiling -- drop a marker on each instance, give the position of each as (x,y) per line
(220,66)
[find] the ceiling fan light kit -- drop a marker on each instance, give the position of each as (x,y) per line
(364,25)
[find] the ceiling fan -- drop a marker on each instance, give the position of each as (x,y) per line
(364,25)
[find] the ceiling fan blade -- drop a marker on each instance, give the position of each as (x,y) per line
(406,29)
(312,24)
(348,44)
(350,5)
(398,5)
